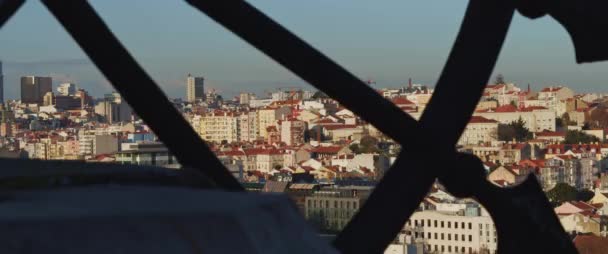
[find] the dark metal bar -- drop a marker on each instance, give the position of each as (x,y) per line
(139,90)
(8,8)
(311,65)
(469,66)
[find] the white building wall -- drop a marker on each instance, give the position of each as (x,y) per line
(445,232)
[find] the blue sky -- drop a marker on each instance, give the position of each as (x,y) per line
(388,41)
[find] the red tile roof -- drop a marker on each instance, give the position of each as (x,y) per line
(506,108)
(532,108)
(338,127)
(551,89)
(327,149)
(551,134)
(499,86)
(401,101)
(480,119)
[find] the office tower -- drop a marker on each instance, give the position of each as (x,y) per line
(34,88)
(1,84)
(195,88)
(67,89)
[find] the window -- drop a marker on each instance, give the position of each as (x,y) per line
(422,223)
(428,222)
(470,225)
(435,222)
(442,248)
(428,235)
(449,237)
(462,225)
(455,224)
(436,236)
(442,224)
(441,236)
(470,238)
(449,248)
(336,204)
(449,224)
(326,203)
(455,237)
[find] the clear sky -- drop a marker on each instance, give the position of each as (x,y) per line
(388,41)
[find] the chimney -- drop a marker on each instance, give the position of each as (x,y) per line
(529,87)
(409,83)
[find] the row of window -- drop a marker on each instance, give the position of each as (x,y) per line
(443,248)
(336,204)
(441,224)
(444,236)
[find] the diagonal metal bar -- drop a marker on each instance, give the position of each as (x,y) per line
(8,8)
(469,66)
(115,62)
(287,49)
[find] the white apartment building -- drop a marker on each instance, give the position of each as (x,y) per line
(555,93)
(92,144)
(452,233)
(536,120)
(219,126)
(145,153)
(479,130)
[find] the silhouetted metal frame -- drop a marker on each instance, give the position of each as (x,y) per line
(470,64)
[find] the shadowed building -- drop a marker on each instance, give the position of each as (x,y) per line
(34,88)
(195,88)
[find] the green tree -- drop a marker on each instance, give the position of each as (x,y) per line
(561,193)
(355,148)
(320,95)
(585,195)
(515,130)
(576,136)
(506,132)
(368,144)
(499,80)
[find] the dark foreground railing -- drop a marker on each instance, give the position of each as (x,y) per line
(524,219)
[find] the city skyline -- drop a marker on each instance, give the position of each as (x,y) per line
(389,53)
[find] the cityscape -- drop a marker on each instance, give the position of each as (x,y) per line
(327,160)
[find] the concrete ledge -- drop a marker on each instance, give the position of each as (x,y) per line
(152,220)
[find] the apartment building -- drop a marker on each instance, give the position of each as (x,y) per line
(332,208)
(479,130)
(536,118)
(448,232)
(219,126)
